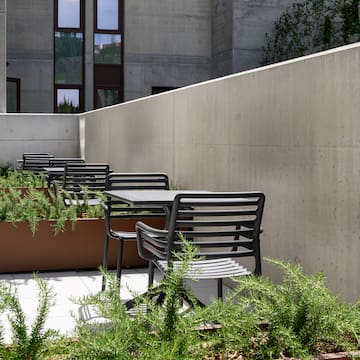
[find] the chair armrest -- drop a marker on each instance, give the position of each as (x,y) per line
(150,241)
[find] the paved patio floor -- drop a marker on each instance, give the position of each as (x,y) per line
(75,284)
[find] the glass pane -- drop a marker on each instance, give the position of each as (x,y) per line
(68,100)
(107,48)
(68,58)
(108,14)
(106,97)
(11,97)
(69,13)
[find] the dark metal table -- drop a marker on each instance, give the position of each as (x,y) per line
(163,198)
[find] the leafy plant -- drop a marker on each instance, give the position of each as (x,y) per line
(311,26)
(5,170)
(12,178)
(303,315)
(26,342)
(160,332)
(36,206)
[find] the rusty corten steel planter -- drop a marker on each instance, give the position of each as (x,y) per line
(68,250)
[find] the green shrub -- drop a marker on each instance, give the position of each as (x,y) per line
(36,206)
(12,178)
(26,342)
(259,319)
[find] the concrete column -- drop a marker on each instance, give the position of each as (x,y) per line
(2,56)
(88,61)
(222,37)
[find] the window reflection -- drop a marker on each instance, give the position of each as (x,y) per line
(69,13)
(106,97)
(107,48)
(68,58)
(68,100)
(108,14)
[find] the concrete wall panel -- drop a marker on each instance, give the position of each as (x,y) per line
(30,39)
(290,130)
(168,42)
(55,134)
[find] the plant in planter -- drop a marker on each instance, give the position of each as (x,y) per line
(21,179)
(72,237)
(36,206)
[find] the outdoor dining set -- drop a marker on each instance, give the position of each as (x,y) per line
(223,227)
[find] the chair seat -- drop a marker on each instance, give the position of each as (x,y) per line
(209,269)
(91,202)
(124,235)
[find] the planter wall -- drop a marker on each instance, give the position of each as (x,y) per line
(78,249)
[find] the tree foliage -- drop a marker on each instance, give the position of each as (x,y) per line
(311,26)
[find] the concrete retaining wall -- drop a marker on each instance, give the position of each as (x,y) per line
(53,133)
(291,130)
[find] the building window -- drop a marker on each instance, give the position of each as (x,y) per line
(108,52)
(106,97)
(69,56)
(107,15)
(68,100)
(107,49)
(68,14)
(12,95)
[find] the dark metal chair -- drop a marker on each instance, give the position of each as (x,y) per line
(116,209)
(36,162)
(77,176)
(61,162)
(53,179)
(222,226)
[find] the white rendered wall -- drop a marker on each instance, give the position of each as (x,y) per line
(291,130)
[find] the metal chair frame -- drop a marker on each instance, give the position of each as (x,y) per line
(55,180)
(222,226)
(93,176)
(116,209)
(36,162)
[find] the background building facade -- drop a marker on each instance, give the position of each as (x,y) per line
(78,55)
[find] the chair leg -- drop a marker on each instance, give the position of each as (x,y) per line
(220,288)
(105,260)
(151,274)
(119,258)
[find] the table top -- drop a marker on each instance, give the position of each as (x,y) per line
(149,197)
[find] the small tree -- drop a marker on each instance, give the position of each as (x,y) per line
(311,26)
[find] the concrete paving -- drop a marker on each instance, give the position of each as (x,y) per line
(75,284)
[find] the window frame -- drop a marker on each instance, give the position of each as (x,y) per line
(68,29)
(70,87)
(17,81)
(107,87)
(119,30)
(99,68)
(81,29)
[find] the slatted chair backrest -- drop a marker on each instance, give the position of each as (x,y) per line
(219,224)
(116,209)
(93,176)
(138,181)
(36,162)
(61,162)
